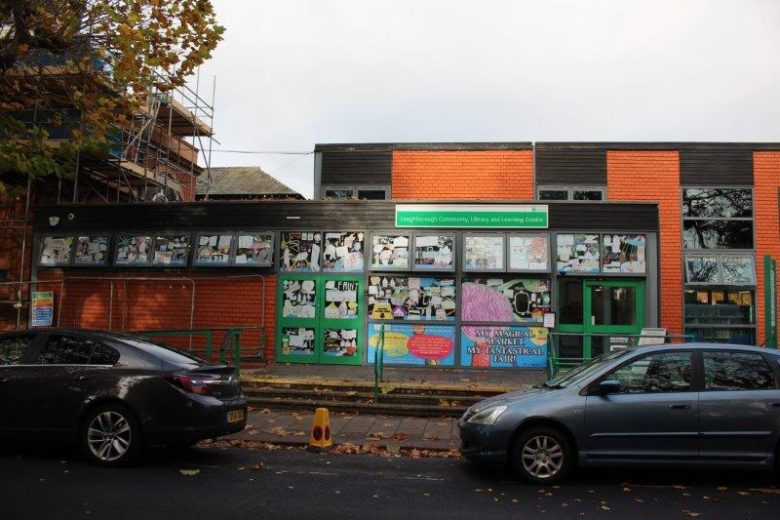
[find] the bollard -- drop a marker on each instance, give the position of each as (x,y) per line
(320,430)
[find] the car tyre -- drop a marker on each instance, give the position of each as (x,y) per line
(110,436)
(542,455)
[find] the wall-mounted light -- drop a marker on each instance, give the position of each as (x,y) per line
(54,220)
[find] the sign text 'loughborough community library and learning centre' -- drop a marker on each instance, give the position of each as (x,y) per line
(528,216)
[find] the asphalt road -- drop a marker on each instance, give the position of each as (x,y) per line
(209,483)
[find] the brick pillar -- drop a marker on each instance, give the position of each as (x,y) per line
(766,175)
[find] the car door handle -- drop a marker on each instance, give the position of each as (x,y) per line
(679,406)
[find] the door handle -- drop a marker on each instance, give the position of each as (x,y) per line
(679,406)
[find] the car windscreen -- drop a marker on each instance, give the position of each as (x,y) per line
(165,353)
(580,372)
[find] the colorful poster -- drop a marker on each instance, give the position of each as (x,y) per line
(623,254)
(413,344)
(499,300)
(343,252)
(411,298)
(340,342)
(297,341)
(578,253)
(483,253)
(171,250)
(299,298)
(42,309)
(56,250)
(255,250)
(390,252)
(341,300)
(503,347)
(132,250)
(300,251)
(214,250)
(434,252)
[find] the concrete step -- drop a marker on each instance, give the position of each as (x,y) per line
(362,407)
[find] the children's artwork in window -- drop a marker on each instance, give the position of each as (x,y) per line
(214,249)
(171,250)
(340,342)
(343,252)
(341,300)
(300,251)
(255,250)
(623,254)
(578,253)
(504,301)
(529,253)
(55,250)
(299,299)
(411,298)
(483,253)
(133,250)
(91,250)
(297,341)
(434,252)
(390,252)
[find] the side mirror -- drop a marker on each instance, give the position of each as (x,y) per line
(608,386)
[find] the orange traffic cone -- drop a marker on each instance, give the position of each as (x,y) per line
(320,430)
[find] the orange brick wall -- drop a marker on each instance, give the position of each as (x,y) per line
(85,300)
(652,175)
(494,175)
(766,172)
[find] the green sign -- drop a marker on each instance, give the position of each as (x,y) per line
(770,301)
(524,216)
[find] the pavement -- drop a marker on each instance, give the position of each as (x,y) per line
(389,432)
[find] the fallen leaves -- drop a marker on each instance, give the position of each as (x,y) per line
(189,472)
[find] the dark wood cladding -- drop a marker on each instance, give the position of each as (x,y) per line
(570,165)
(716,166)
(356,168)
(311,215)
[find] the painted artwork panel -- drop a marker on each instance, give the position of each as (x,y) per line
(343,252)
(503,347)
(171,250)
(255,250)
(133,250)
(300,251)
(434,252)
(298,341)
(214,249)
(483,253)
(578,253)
(341,299)
(413,344)
(56,250)
(340,343)
(624,254)
(411,298)
(390,252)
(522,300)
(299,299)
(529,253)
(91,250)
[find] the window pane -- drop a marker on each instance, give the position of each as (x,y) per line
(300,250)
(299,299)
(739,336)
(55,250)
(411,298)
(371,194)
(66,350)
(341,300)
(343,251)
(665,372)
(570,301)
(434,252)
(553,194)
(338,194)
(132,250)
(623,254)
(91,250)
(717,202)
(483,253)
(255,249)
(613,305)
(529,253)
(737,371)
(701,269)
(578,253)
(390,252)
(499,300)
(738,270)
(718,234)
(13,349)
(588,195)
(171,250)
(104,356)
(719,307)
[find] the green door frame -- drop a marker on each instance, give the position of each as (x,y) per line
(319,323)
(586,328)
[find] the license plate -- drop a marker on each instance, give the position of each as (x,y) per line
(235,416)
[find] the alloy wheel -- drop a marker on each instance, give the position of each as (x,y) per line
(109,436)
(542,457)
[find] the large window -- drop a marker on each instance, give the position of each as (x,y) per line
(720,266)
(734,370)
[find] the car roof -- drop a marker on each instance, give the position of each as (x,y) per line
(105,334)
(698,345)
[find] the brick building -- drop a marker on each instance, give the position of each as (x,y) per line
(456,251)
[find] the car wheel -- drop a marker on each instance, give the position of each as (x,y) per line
(110,436)
(542,455)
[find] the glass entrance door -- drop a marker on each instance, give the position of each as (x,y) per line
(319,319)
(595,315)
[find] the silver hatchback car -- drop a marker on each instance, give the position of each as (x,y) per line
(685,405)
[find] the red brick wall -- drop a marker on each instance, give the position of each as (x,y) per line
(766,173)
(494,174)
(655,175)
(85,300)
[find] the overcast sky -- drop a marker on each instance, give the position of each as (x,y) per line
(294,73)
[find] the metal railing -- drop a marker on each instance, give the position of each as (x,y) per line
(379,361)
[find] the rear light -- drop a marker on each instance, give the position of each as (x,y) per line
(195,383)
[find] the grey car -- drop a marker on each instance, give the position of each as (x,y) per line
(686,405)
